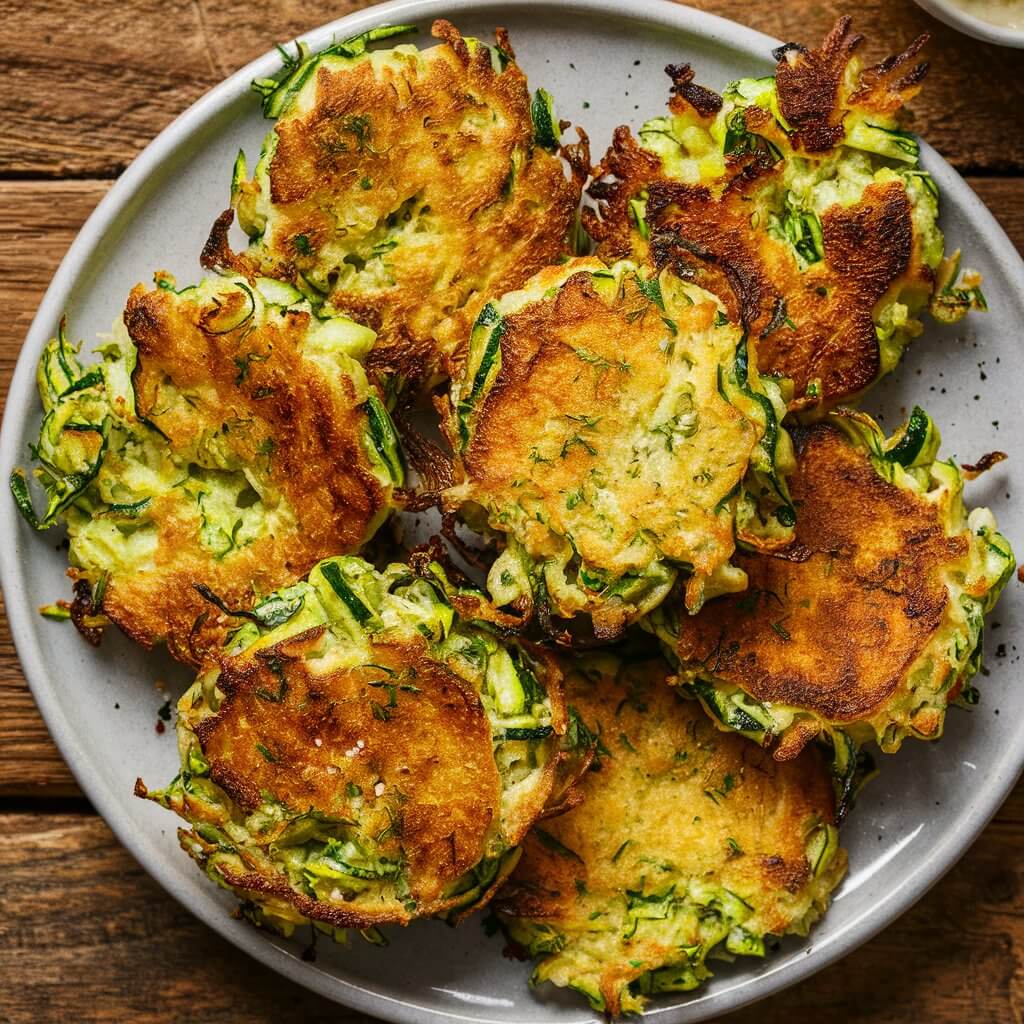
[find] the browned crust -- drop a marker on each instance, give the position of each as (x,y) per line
(834,628)
(893,82)
(810,85)
(423,139)
(82,611)
(815,325)
(432,750)
(704,101)
(318,464)
(622,173)
(432,464)
(217,253)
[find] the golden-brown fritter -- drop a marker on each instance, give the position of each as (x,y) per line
(370,758)
(433,746)
(606,424)
(799,195)
(689,843)
(403,187)
(235,443)
(870,625)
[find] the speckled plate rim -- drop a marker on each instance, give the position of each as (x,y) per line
(22,398)
(971,25)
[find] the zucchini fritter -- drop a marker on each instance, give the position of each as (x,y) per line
(689,844)
(870,625)
(228,440)
(361,756)
(613,427)
(404,186)
(803,194)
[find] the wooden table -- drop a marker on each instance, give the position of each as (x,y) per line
(84,933)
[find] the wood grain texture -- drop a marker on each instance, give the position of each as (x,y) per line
(88,936)
(30,765)
(86,85)
(38,221)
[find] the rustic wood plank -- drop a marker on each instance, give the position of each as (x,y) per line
(88,84)
(30,764)
(89,937)
(38,222)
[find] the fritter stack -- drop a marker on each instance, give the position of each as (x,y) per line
(704,585)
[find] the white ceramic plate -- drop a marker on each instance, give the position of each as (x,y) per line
(913,823)
(964,21)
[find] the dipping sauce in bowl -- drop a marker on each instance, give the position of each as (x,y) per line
(1005,13)
(993,21)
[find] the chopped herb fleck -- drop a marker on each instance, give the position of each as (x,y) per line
(577,440)
(620,851)
(598,360)
(553,844)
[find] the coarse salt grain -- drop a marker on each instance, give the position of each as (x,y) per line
(318,742)
(378,790)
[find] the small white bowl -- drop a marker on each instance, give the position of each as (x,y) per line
(956,17)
